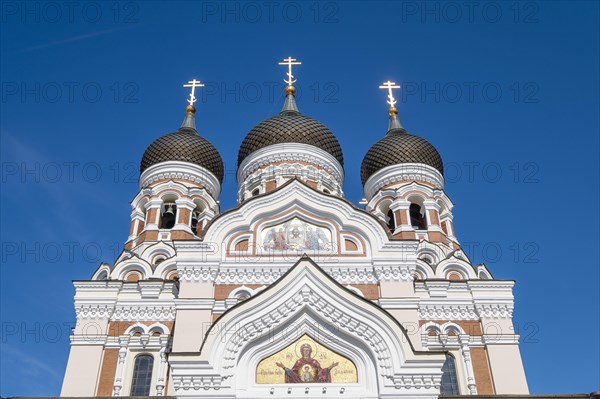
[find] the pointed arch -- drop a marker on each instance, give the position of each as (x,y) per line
(307,300)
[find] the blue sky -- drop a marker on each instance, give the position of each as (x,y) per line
(508,92)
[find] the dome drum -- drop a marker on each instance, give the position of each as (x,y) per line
(280,162)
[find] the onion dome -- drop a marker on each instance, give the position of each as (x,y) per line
(184,145)
(290,127)
(398,147)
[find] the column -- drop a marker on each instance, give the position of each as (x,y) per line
(120,373)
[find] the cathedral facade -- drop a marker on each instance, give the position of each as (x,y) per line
(295,292)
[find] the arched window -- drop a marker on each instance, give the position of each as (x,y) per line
(255,192)
(449,381)
(142,375)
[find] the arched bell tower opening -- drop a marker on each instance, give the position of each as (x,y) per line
(391,220)
(168,214)
(417,213)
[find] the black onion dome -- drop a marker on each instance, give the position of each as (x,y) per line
(399,147)
(290,127)
(185,145)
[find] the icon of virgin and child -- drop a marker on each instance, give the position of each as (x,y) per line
(307,369)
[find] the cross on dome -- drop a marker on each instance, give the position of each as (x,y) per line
(193,84)
(389,86)
(289,61)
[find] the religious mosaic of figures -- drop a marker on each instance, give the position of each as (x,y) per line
(296,235)
(306,361)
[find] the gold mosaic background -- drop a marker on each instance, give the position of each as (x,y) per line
(267,372)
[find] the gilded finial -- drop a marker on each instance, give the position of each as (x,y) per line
(290,90)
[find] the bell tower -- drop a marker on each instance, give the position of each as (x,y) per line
(180,181)
(403,179)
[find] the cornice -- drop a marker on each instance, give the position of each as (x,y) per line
(144,313)
(184,171)
(403,172)
(290,152)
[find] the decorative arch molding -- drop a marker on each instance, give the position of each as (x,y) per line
(447,328)
(136,328)
(168,187)
(309,323)
(134,263)
(165,268)
(400,173)
(355,290)
(311,299)
(290,153)
(450,327)
(241,243)
(161,258)
(176,188)
(422,271)
(255,231)
(430,328)
(406,190)
(428,256)
(158,248)
(352,244)
(243,290)
(306,203)
(200,194)
(147,329)
(483,272)
(102,273)
(281,172)
(454,265)
(385,200)
(181,170)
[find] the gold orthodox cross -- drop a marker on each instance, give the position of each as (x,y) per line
(193,84)
(389,86)
(289,61)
